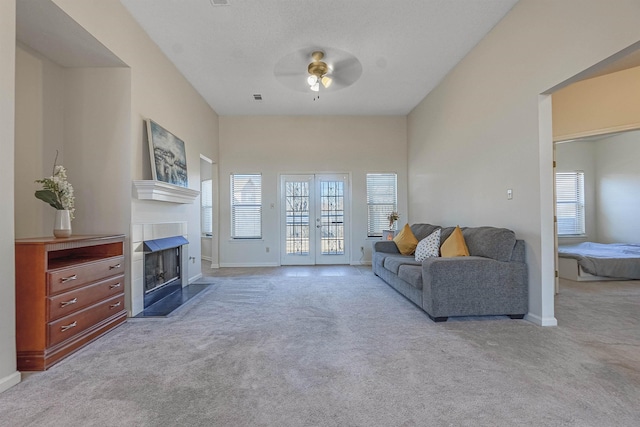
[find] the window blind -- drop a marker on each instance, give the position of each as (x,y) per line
(206,207)
(382,199)
(246,206)
(570,203)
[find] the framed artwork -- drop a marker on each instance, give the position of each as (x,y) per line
(168,155)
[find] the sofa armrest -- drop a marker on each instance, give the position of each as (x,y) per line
(474,286)
(387,246)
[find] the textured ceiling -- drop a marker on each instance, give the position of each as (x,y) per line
(229,53)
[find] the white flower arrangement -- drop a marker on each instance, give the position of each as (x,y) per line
(57,191)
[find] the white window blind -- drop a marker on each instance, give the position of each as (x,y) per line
(206,207)
(570,203)
(246,206)
(382,199)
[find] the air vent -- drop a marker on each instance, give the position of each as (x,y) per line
(257,96)
(219,2)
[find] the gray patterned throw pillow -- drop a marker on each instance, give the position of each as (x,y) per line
(429,246)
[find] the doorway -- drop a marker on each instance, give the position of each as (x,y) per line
(314,219)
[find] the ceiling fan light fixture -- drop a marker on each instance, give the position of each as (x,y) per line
(315,87)
(326,81)
(312,79)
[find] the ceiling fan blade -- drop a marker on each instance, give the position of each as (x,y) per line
(348,70)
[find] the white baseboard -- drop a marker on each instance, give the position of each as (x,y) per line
(541,321)
(214,266)
(206,258)
(194,278)
(361,263)
(9,381)
(248,264)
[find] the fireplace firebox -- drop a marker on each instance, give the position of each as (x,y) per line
(162,261)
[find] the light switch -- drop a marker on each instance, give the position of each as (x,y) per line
(509,194)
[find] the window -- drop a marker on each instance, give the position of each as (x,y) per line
(382,199)
(246,206)
(206,207)
(570,203)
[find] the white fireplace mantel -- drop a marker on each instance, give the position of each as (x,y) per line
(163,192)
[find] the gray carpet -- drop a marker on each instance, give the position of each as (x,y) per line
(345,351)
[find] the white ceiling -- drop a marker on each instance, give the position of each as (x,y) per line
(229,53)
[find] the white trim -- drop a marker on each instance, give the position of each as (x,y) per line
(597,132)
(206,159)
(249,264)
(547,321)
(9,381)
(214,265)
(163,192)
(246,240)
(360,263)
(194,278)
(542,288)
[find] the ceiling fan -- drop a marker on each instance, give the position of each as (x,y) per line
(318,72)
(314,69)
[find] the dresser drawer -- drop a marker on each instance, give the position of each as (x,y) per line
(67,278)
(75,323)
(68,302)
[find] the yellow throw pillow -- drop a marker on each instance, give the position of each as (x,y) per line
(454,245)
(406,241)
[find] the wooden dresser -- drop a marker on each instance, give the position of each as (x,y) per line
(69,291)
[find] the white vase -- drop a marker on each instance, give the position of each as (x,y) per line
(62,224)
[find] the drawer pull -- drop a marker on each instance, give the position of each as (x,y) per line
(66,327)
(114,305)
(66,303)
(111,267)
(117,285)
(68,279)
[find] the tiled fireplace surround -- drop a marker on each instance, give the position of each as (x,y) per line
(141,233)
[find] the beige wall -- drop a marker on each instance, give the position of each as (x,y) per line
(618,177)
(276,145)
(95,118)
(484,128)
(612,182)
(159,92)
(8,374)
(610,103)
(29,211)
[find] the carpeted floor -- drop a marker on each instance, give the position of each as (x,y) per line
(346,351)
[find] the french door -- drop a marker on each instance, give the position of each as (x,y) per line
(314,219)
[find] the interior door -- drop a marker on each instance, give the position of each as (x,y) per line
(315,218)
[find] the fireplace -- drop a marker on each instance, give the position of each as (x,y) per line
(149,238)
(162,268)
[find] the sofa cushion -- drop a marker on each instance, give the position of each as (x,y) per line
(429,246)
(455,245)
(423,230)
(490,242)
(393,262)
(406,241)
(412,274)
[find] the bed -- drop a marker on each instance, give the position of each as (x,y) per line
(590,261)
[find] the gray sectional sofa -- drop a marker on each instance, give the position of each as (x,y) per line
(491,281)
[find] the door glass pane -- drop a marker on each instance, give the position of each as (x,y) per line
(297,211)
(332,217)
